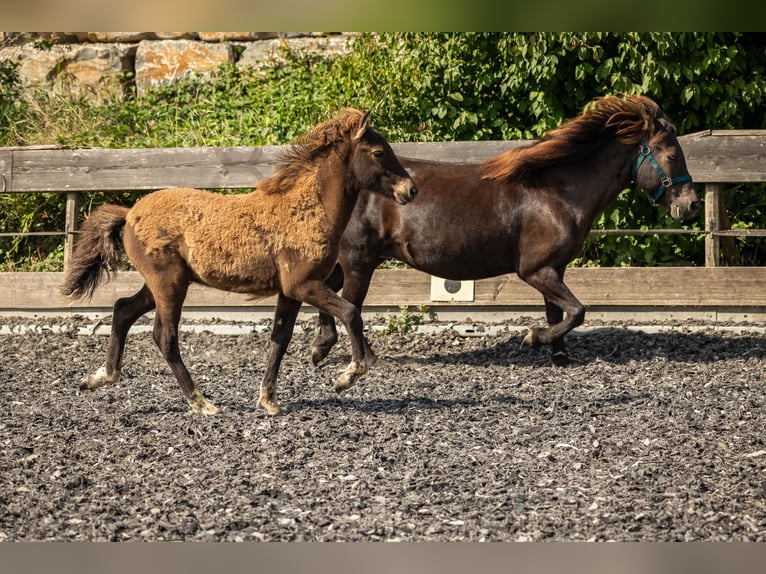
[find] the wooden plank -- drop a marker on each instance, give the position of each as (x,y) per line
(456,151)
(726,156)
(698,287)
(141,169)
(34,290)
(70,225)
(712,223)
(719,157)
(6,171)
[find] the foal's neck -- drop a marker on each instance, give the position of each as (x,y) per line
(337,192)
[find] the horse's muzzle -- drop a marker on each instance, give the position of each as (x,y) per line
(684,203)
(405,192)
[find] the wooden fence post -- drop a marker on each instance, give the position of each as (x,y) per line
(712,223)
(70,225)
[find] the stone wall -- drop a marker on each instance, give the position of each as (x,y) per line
(99,65)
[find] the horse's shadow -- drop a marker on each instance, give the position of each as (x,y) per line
(608,344)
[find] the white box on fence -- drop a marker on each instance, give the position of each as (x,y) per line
(450,290)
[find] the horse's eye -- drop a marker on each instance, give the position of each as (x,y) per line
(378,153)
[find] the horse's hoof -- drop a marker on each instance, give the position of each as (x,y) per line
(319,351)
(346,381)
(210,409)
(530,340)
(317,355)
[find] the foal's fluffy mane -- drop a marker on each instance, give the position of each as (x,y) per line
(295,159)
(629,120)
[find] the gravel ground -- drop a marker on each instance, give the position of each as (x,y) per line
(655,436)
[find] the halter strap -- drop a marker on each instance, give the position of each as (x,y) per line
(665,182)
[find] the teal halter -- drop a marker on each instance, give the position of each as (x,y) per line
(665,182)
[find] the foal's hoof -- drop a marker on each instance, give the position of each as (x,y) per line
(350,376)
(318,355)
(560,359)
(99,379)
(271,408)
(201,405)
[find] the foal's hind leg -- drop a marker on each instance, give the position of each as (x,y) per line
(165,333)
(126,311)
(281,333)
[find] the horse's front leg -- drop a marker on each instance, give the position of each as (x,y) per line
(327,334)
(318,294)
(281,334)
(563,309)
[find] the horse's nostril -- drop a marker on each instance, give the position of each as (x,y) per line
(413,191)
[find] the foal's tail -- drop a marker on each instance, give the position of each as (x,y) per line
(98,251)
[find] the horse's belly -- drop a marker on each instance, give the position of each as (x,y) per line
(452,262)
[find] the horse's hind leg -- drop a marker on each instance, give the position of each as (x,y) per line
(126,311)
(555,315)
(166,337)
(281,334)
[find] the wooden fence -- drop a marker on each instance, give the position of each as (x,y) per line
(714,158)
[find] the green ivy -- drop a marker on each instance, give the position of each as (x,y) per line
(437,87)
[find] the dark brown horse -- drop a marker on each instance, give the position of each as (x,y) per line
(528,211)
(282,238)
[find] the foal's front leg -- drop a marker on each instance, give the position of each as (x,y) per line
(318,294)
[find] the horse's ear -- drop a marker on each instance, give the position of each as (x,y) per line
(362,125)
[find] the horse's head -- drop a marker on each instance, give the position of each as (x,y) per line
(375,166)
(660,170)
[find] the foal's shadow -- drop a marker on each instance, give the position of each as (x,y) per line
(426,403)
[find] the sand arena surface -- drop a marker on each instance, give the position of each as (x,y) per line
(656,436)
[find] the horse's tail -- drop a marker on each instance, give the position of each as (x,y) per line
(98,251)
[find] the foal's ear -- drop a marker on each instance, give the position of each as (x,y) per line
(362,126)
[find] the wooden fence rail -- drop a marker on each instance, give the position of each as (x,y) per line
(714,158)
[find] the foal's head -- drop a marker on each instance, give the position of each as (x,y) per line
(374,165)
(369,161)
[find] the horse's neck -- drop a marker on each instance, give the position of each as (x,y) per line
(601,179)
